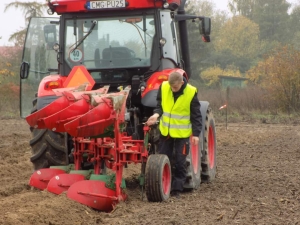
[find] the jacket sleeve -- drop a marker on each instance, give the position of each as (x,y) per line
(158,108)
(196,117)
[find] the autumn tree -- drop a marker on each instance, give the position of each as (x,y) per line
(295,21)
(201,52)
(273,19)
(242,7)
(29,9)
(237,44)
(279,74)
(196,47)
(9,58)
(9,79)
(239,36)
(272,16)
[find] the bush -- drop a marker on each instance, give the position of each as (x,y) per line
(9,103)
(10,58)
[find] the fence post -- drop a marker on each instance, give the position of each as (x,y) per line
(227,103)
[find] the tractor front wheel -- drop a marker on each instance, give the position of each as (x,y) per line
(48,148)
(158,178)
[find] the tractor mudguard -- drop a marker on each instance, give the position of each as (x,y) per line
(45,100)
(150,93)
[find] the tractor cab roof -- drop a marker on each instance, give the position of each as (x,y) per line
(71,6)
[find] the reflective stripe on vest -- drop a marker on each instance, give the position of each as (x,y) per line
(175,120)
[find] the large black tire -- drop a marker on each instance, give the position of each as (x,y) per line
(193,162)
(158,178)
(209,153)
(48,148)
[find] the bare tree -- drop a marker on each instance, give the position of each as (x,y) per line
(29,9)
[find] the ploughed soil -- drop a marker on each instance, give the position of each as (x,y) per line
(258,182)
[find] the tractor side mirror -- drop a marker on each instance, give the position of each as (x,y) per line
(24,70)
(205,26)
(50,34)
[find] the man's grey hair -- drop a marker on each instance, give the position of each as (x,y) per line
(175,77)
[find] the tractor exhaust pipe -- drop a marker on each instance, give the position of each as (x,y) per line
(184,40)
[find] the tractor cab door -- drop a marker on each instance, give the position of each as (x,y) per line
(39,59)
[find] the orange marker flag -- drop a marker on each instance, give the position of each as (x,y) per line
(223,107)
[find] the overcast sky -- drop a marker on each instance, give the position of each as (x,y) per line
(13,20)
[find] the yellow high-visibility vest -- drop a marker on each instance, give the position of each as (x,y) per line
(175,120)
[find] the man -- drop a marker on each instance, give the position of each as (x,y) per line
(179,109)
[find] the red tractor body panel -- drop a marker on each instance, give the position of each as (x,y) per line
(45,88)
(64,6)
(158,77)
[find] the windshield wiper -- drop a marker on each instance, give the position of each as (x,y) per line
(85,36)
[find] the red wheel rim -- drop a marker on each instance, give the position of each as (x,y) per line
(195,156)
(211,147)
(166,179)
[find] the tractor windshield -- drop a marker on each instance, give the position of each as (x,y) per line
(115,42)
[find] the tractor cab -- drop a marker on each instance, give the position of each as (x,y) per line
(117,46)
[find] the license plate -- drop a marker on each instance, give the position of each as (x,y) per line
(109,4)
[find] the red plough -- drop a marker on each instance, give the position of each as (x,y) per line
(96,121)
(71,103)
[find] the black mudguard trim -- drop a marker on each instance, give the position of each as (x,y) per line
(149,99)
(44,101)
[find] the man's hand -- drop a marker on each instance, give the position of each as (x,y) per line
(195,140)
(152,119)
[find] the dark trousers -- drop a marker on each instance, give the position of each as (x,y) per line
(176,149)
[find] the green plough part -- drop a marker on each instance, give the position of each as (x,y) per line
(66,168)
(109,180)
(86,173)
(141,179)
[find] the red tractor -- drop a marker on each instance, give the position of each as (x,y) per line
(89,81)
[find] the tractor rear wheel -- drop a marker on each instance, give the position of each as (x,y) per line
(48,148)
(193,162)
(209,154)
(158,178)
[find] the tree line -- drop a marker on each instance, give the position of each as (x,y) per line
(255,39)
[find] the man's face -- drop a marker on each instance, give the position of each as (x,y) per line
(176,86)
